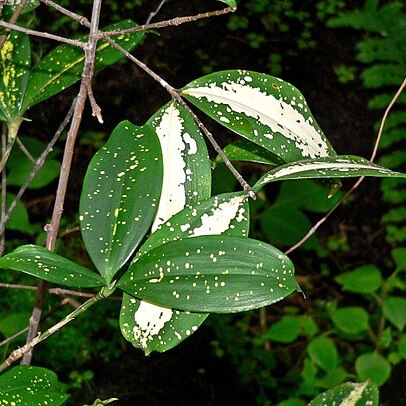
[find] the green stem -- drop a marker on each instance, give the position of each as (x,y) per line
(13,127)
(19,352)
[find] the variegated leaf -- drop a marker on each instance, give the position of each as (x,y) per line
(211,273)
(120,196)
(341,166)
(187,179)
(15,61)
(264,109)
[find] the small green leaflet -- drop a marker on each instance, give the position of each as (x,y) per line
(28,385)
(120,196)
(218,274)
(341,166)
(351,394)
(264,109)
(245,150)
(15,61)
(63,66)
(41,263)
(230,3)
(186,180)
(156,328)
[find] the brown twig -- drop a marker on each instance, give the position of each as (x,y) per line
(25,150)
(80,19)
(359,181)
(53,227)
(13,20)
(152,14)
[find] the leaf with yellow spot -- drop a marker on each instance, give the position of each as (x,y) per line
(120,196)
(63,66)
(15,62)
(26,385)
(213,274)
(39,262)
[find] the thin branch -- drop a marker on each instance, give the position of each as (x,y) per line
(53,227)
(169,23)
(68,231)
(359,181)
(41,34)
(13,20)
(152,14)
(37,166)
(2,2)
(25,150)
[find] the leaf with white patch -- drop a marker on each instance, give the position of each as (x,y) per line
(39,262)
(214,274)
(245,150)
(120,196)
(187,172)
(264,109)
(230,3)
(155,328)
(349,394)
(15,61)
(26,385)
(63,66)
(341,166)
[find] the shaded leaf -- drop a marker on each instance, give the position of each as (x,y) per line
(285,330)
(120,196)
(19,220)
(63,66)
(394,308)
(211,274)
(354,394)
(342,166)
(323,352)
(31,386)
(13,323)
(333,378)
(351,320)
(373,366)
(41,263)
(15,61)
(364,279)
(264,109)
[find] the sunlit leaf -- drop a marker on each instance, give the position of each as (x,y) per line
(343,166)
(351,394)
(230,3)
(373,366)
(264,109)
(63,66)
(351,320)
(323,352)
(120,196)
(28,385)
(394,308)
(211,274)
(41,263)
(364,279)
(15,61)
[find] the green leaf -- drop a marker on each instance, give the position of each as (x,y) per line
(292,402)
(63,66)
(399,256)
(350,320)
(20,166)
(264,109)
(364,279)
(333,378)
(285,330)
(15,61)
(186,180)
(13,323)
(323,352)
(342,166)
(394,308)
(373,366)
(41,263)
(28,385)
(19,220)
(351,394)
(245,150)
(11,6)
(216,274)
(230,3)
(402,346)
(120,196)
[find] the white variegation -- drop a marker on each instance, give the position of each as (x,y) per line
(275,113)
(354,395)
(175,143)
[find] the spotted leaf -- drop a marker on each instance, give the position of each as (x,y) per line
(39,262)
(245,150)
(342,166)
(349,393)
(15,61)
(266,110)
(26,385)
(156,328)
(219,274)
(63,66)
(120,196)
